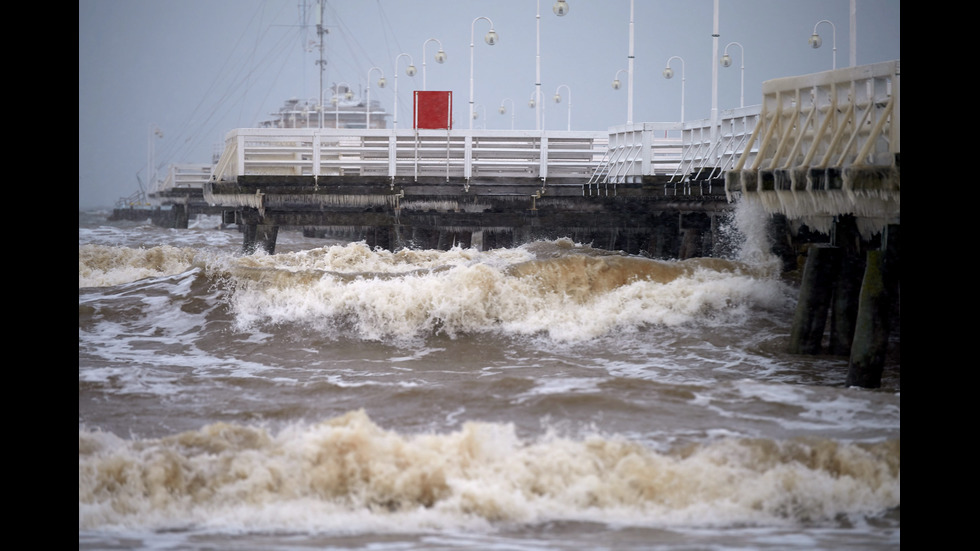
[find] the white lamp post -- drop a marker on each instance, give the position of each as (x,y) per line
(476,116)
(560,8)
(311,107)
(503,110)
(348,95)
(410,71)
(616,85)
(150,169)
(726,61)
(367,104)
(629,90)
(815,40)
(669,73)
(532,103)
(440,57)
(491,39)
(558,100)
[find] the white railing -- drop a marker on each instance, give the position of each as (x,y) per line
(184,176)
(829,119)
(640,149)
(827,144)
(834,119)
(410,153)
(682,151)
(703,159)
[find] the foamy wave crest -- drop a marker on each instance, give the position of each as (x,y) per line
(348,474)
(104,266)
(570,294)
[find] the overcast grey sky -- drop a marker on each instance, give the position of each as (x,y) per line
(199,68)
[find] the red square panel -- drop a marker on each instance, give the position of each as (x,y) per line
(433,110)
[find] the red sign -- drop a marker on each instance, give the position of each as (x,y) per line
(433,110)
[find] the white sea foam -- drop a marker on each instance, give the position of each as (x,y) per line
(347,474)
(570,297)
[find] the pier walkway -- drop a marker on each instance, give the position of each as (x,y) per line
(818,146)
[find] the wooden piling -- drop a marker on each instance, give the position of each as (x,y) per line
(262,235)
(848,287)
(816,292)
(878,293)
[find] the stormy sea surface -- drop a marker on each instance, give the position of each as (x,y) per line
(546,396)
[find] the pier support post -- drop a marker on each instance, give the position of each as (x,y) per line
(690,244)
(878,293)
(263,235)
(848,287)
(181,217)
(816,292)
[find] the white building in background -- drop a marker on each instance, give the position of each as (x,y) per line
(341,109)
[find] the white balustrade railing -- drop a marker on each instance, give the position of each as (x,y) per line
(832,119)
(829,119)
(410,153)
(189,175)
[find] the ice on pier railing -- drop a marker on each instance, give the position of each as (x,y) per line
(332,200)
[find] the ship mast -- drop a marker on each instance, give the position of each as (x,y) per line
(320,31)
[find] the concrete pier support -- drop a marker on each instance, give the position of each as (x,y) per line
(816,292)
(262,235)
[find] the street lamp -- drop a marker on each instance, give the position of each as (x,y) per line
(669,73)
(616,85)
(476,116)
(410,71)
(558,100)
(560,8)
(348,95)
(491,39)
(726,61)
(310,107)
(503,110)
(367,105)
(440,57)
(815,40)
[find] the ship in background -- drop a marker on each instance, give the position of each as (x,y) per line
(344,109)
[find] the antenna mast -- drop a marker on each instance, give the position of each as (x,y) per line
(320,31)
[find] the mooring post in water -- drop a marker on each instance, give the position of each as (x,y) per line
(816,292)
(878,292)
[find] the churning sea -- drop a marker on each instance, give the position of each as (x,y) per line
(546,396)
